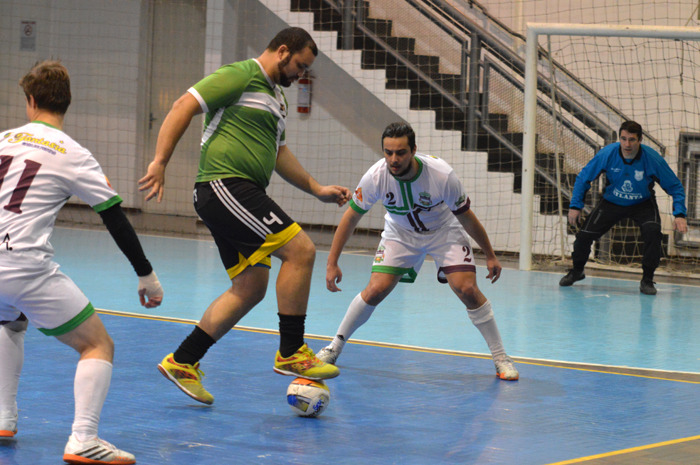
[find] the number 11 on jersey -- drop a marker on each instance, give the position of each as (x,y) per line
(25,180)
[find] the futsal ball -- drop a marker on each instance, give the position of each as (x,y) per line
(308,398)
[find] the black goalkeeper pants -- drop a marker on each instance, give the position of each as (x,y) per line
(606,214)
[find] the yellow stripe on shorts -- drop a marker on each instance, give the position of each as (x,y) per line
(261,256)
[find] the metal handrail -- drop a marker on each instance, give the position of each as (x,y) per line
(516,63)
(488,64)
(560,68)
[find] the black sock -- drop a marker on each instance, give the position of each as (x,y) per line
(194,347)
(648,274)
(291,334)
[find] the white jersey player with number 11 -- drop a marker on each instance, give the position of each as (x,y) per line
(41,167)
(428,213)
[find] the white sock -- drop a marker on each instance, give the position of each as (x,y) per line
(11,361)
(92,379)
(482,318)
(358,313)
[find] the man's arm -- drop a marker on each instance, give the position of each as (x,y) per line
(291,171)
(476,230)
(128,242)
(347,225)
(176,123)
(588,174)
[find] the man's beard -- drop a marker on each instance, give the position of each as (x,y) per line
(284,80)
(404,172)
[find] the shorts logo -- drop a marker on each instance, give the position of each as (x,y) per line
(273,219)
(638,175)
(424,199)
(358,194)
(379,256)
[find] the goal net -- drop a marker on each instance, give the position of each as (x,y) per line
(646,74)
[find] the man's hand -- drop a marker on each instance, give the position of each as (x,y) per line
(150,287)
(333,275)
(333,194)
(154,180)
(574,217)
(680,225)
(494,267)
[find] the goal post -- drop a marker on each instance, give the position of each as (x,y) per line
(534,31)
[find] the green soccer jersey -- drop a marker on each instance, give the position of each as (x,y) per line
(244,124)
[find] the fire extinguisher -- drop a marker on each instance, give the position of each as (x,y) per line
(304,94)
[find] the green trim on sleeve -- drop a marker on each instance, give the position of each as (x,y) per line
(69,326)
(354,206)
(408,275)
(100,207)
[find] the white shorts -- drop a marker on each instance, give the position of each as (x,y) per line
(402,252)
(49,299)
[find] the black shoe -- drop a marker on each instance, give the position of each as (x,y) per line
(647,287)
(571,277)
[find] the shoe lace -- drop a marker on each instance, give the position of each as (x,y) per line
(198,370)
(110,447)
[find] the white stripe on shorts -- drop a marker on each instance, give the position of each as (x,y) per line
(238,211)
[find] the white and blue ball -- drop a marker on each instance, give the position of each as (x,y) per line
(308,398)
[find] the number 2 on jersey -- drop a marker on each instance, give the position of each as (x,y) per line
(25,180)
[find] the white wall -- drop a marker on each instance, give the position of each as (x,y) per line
(98,41)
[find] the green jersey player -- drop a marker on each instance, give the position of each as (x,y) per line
(244,140)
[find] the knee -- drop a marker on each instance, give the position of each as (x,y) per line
(249,292)
(103,347)
(257,294)
(585,238)
(374,294)
(651,231)
(467,292)
(304,251)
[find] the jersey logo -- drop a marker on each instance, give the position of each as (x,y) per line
(638,175)
(273,219)
(29,140)
(424,198)
(627,186)
(358,194)
(461,200)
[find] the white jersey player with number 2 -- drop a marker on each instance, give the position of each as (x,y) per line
(428,213)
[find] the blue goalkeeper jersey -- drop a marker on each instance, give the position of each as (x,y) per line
(629,182)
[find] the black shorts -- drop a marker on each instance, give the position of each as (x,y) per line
(246,224)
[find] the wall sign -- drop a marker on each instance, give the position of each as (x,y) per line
(27,39)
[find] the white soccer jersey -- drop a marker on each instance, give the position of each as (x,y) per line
(41,167)
(425,203)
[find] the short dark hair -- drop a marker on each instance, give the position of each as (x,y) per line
(632,127)
(49,84)
(295,38)
(397,130)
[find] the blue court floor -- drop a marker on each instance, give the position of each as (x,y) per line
(407,405)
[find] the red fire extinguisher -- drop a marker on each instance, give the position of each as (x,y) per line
(304,94)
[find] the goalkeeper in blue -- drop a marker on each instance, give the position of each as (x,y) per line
(428,213)
(631,171)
